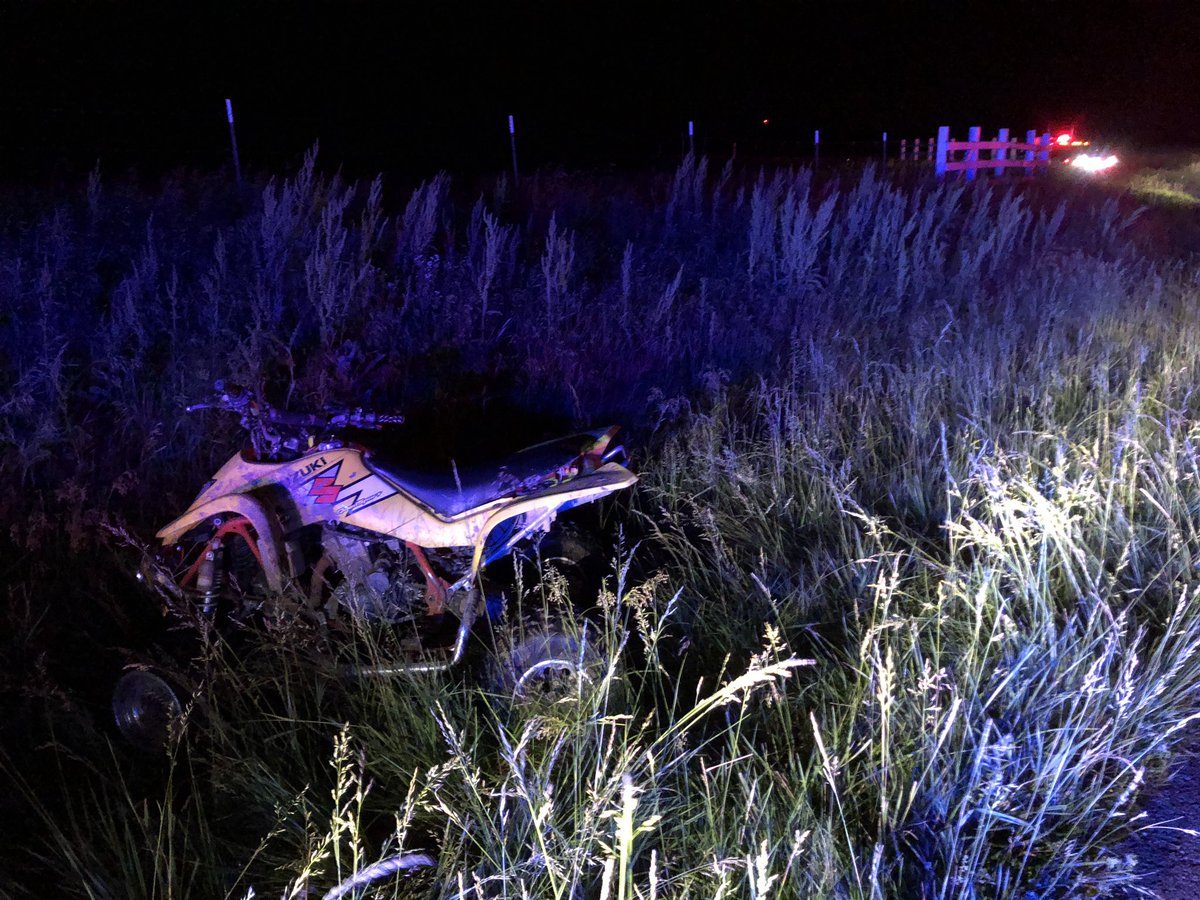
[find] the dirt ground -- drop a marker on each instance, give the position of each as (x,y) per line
(1167,853)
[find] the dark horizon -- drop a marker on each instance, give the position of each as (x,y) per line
(131,83)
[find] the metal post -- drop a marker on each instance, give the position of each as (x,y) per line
(973,154)
(1002,153)
(237,163)
(512,142)
(943,148)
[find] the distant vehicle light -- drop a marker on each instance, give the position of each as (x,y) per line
(1064,139)
(1088,163)
(766,121)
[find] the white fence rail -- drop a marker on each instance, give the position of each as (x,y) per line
(1002,153)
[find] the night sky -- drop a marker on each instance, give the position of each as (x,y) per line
(398,86)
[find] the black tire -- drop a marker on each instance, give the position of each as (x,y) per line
(577,552)
(544,662)
(146,709)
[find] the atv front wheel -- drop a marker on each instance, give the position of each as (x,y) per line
(145,709)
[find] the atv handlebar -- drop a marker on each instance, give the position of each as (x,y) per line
(239,399)
(232,397)
(354,418)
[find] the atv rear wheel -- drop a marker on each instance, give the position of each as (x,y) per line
(544,662)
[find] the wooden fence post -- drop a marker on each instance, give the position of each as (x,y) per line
(1030,139)
(1044,155)
(884,149)
(816,147)
(512,142)
(1002,153)
(903,149)
(973,154)
(940,161)
(691,137)
(237,163)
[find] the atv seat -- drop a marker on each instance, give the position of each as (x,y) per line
(448,496)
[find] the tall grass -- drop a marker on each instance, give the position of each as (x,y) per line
(994,690)
(912,608)
(1176,185)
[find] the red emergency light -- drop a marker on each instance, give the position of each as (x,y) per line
(1068,139)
